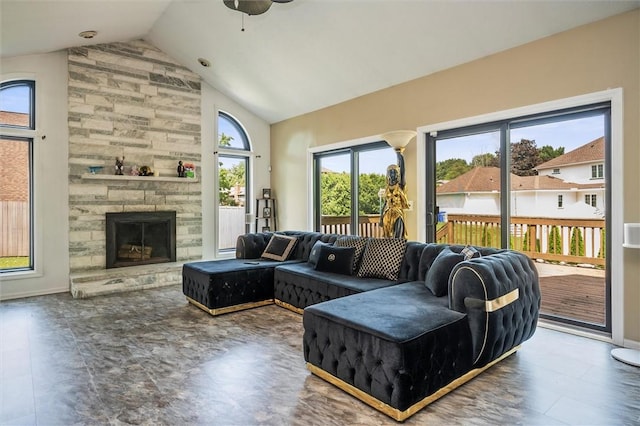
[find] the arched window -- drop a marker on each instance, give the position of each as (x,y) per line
(234,195)
(231,134)
(17,125)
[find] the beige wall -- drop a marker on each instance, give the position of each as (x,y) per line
(588,59)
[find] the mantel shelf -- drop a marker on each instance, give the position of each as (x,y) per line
(139,178)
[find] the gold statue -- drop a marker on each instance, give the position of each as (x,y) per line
(395,202)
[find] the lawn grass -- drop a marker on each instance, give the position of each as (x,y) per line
(14,262)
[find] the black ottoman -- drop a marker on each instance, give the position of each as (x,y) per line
(229,285)
(395,348)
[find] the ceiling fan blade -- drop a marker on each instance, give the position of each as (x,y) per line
(250,7)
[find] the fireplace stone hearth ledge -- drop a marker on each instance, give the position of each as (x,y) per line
(116,280)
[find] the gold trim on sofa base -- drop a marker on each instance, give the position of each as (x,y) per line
(394,413)
(228,309)
(288,306)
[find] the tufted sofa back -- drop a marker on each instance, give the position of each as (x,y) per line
(251,246)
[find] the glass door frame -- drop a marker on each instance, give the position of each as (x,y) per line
(353,152)
(504,126)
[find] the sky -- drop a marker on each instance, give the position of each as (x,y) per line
(569,134)
(15,99)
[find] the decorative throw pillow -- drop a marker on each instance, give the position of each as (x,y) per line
(315,252)
(335,259)
(358,243)
(469,252)
(382,258)
(438,275)
(279,247)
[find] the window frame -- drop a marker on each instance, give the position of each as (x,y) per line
(615,176)
(26,134)
(597,171)
(232,152)
(353,151)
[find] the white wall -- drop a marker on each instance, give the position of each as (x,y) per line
(258,131)
(51,257)
(577,173)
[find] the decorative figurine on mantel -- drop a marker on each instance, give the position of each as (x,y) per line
(180,169)
(119,165)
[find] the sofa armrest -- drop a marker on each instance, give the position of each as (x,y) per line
(500,294)
(251,246)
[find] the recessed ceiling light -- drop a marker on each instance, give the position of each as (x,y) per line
(204,62)
(88,34)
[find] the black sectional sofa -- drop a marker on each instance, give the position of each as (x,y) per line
(397,339)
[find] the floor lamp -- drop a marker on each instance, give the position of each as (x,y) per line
(631,240)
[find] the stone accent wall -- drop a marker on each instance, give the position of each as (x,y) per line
(131,100)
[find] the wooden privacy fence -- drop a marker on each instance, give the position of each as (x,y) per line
(231,224)
(557,240)
(14,229)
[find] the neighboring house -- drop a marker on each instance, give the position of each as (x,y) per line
(569,186)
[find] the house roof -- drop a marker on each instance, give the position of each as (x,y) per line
(487,179)
(592,151)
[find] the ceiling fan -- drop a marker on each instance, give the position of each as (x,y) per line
(252,7)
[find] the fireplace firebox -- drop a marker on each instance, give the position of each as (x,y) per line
(139,238)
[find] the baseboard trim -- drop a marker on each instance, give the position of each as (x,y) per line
(229,309)
(394,413)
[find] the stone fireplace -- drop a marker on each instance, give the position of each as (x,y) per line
(131,100)
(140,238)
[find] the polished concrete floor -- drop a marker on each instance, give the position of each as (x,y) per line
(148,357)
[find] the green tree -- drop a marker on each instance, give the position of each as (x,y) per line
(487,236)
(369,185)
(485,160)
(603,244)
(527,237)
(224,140)
(577,242)
(451,168)
(547,153)
(524,157)
(335,190)
(555,241)
(229,177)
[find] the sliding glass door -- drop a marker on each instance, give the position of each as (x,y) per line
(545,193)
(348,188)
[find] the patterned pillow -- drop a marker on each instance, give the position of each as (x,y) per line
(335,259)
(382,258)
(279,247)
(438,275)
(470,252)
(359,243)
(315,252)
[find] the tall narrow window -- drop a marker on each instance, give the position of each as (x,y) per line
(560,201)
(17,125)
(234,153)
(597,171)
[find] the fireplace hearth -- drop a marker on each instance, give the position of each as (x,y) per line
(140,238)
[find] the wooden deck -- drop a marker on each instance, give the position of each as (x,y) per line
(574,296)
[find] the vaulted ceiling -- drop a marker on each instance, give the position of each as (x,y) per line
(304,55)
